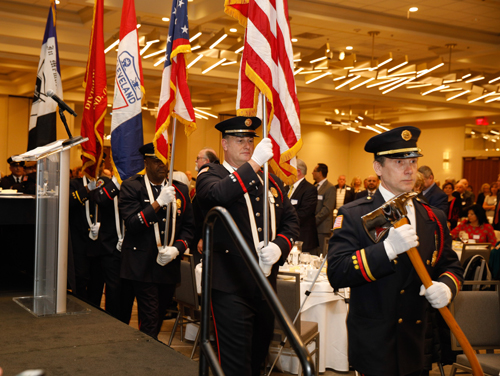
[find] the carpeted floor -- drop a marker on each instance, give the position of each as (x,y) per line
(83,344)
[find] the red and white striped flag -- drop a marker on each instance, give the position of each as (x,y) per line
(267,66)
(175,99)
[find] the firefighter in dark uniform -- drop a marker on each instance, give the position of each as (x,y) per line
(387,311)
(84,229)
(244,322)
(151,267)
(109,240)
(18,180)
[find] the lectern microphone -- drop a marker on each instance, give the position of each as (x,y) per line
(60,102)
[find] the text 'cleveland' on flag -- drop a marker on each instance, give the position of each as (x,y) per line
(175,99)
(96,99)
(43,119)
(126,121)
(267,66)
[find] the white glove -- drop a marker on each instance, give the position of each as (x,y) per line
(438,295)
(167,195)
(166,254)
(91,185)
(268,256)
(400,240)
(115,180)
(94,230)
(263,151)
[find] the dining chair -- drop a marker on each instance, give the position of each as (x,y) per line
(471,249)
(288,291)
(187,299)
(478,315)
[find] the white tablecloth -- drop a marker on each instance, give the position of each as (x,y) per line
(329,310)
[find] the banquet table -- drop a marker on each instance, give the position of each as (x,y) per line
(329,310)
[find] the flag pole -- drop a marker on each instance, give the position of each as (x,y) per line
(266,174)
(170,181)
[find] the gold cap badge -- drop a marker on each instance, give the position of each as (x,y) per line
(274,192)
(406,135)
(248,122)
(179,203)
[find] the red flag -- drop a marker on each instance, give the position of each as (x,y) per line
(267,66)
(175,99)
(96,99)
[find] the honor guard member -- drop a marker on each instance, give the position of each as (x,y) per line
(17,179)
(84,229)
(151,267)
(244,321)
(387,310)
(109,240)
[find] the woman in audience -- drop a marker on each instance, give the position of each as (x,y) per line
(475,228)
(490,201)
(453,207)
(356,184)
(485,191)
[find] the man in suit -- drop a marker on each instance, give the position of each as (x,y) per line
(434,195)
(344,193)
(371,187)
(469,195)
(149,265)
(242,316)
(388,307)
(304,198)
(326,203)
(464,198)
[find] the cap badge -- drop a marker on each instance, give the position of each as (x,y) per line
(274,192)
(406,135)
(248,122)
(178,202)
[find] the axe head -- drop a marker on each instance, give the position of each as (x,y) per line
(379,221)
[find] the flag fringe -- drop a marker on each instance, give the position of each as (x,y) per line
(235,13)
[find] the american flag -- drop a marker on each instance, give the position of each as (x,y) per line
(267,66)
(96,99)
(175,99)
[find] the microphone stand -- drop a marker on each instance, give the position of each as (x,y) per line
(71,139)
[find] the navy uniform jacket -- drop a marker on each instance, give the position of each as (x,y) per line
(387,317)
(27,184)
(139,249)
(216,186)
(78,224)
(104,196)
(304,199)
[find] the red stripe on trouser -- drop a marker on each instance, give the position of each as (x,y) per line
(215,331)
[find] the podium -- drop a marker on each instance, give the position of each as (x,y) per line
(51,229)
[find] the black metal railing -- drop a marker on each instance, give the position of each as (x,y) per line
(208,356)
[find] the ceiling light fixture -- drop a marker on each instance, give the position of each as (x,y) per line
(213,66)
(165,19)
(195,60)
(205,113)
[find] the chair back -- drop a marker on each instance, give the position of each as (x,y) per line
(186,293)
(471,249)
(288,291)
(478,315)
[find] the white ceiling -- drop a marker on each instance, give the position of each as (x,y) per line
(473,25)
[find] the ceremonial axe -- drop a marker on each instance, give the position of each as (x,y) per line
(393,214)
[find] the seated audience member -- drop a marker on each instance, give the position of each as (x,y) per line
(485,191)
(476,227)
(17,179)
(453,209)
(356,185)
(434,195)
(469,194)
(371,187)
(490,202)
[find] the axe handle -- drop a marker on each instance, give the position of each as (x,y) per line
(419,266)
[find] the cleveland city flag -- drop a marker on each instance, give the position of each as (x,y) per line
(126,121)
(43,118)
(267,66)
(175,99)
(96,99)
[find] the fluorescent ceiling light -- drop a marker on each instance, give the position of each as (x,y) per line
(213,66)
(195,60)
(205,113)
